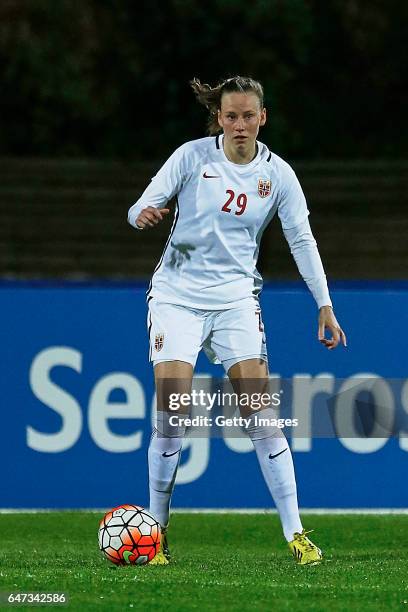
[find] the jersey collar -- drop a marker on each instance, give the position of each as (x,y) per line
(219,143)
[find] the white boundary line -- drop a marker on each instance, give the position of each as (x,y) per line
(302,510)
(321,511)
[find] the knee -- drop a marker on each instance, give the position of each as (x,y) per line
(169,425)
(261,426)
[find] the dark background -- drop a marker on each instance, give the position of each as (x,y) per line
(95,95)
(110,78)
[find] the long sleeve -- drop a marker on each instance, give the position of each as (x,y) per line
(306,255)
(164,185)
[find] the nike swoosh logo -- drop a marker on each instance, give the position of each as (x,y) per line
(277,454)
(171,454)
(205,175)
(126,555)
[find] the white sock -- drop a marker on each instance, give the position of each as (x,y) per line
(164,456)
(276,463)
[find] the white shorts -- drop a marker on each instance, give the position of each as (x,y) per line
(227,336)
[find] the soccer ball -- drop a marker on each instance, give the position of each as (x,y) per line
(129,535)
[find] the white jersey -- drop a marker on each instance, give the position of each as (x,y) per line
(222,209)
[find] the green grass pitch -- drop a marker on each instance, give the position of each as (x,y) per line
(221,562)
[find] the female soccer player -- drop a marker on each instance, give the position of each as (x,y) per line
(204,291)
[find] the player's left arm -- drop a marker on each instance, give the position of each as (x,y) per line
(293,214)
(327,320)
(306,255)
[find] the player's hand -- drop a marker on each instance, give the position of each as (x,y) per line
(151,216)
(328,321)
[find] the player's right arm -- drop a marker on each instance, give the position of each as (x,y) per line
(150,216)
(150,208)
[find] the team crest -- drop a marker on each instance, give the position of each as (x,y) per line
(264,187)
(158,342)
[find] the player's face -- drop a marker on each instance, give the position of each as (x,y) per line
(240,117)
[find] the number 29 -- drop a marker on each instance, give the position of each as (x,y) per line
(241,203)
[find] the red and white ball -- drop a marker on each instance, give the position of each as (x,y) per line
(129,535)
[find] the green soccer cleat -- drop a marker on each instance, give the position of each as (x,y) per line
(162,557)
(303,549)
